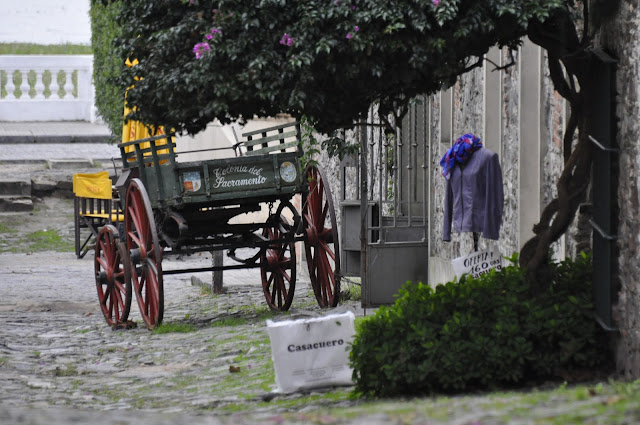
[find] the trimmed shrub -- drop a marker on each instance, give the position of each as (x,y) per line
(480,333)
(107,65)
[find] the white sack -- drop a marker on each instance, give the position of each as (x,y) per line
(310,353)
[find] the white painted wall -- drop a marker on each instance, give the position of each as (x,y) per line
(45,21)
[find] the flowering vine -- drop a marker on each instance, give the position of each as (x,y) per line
(286,40)
(201,48)
(355,30)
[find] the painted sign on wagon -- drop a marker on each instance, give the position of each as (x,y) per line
(477,263)
(232,177)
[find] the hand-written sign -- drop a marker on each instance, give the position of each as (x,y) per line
(477,263)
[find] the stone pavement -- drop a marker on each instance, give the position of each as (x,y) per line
(57,351)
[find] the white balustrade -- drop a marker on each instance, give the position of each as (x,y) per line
(30,89)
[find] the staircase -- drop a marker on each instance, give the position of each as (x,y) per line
(15,195)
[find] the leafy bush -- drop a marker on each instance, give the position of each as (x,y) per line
(230,59)
(480,333)
(107,65)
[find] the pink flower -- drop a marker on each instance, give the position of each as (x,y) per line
(435,2)
(286,40)
(356,28)
(208,36)
(349,36)
(200,48)
(215,31)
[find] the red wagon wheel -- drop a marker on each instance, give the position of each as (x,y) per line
(145,254)
(112,276)
(321,242)
(278,263)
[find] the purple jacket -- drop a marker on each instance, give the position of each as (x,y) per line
(474,198)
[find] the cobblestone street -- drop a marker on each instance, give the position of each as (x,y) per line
(61,364)
(56,349)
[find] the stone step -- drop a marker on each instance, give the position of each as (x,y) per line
(9,203)
(15,187)
(69,164)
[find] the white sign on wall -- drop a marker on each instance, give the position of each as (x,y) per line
(477,263)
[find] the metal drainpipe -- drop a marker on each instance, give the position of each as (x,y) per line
(363,214)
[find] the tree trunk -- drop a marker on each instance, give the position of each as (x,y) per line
(569,66)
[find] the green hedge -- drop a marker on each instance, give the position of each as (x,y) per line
(107,65)
(480,333)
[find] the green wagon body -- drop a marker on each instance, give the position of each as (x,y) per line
(262,174)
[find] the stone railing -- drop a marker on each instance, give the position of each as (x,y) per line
(46,88)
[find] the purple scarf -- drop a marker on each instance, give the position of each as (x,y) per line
(459,153)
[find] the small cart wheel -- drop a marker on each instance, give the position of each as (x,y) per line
(278,262)
(113,280)
(144,253)
(321,241)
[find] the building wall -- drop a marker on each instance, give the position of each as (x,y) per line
(622,39)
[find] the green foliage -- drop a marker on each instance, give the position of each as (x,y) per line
(309,142)
(329,60)
(480,333)
(107,64)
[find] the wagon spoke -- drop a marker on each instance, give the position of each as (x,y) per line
(274,288)
(327,250)
(282,292)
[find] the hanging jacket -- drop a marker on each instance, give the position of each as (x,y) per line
(474,197)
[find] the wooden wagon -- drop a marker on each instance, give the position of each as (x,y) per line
(161,207)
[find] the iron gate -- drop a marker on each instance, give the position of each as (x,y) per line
(385,198)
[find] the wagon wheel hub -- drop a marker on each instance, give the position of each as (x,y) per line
(312,236)
(273,261)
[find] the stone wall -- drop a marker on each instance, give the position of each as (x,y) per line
(527,111)
(622,39)
(523,108)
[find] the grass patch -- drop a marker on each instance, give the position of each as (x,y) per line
(350,291)
(248,315)
(229,321)
(41,49)
(70,370)
(46,240)
(175,327)
(6,229)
